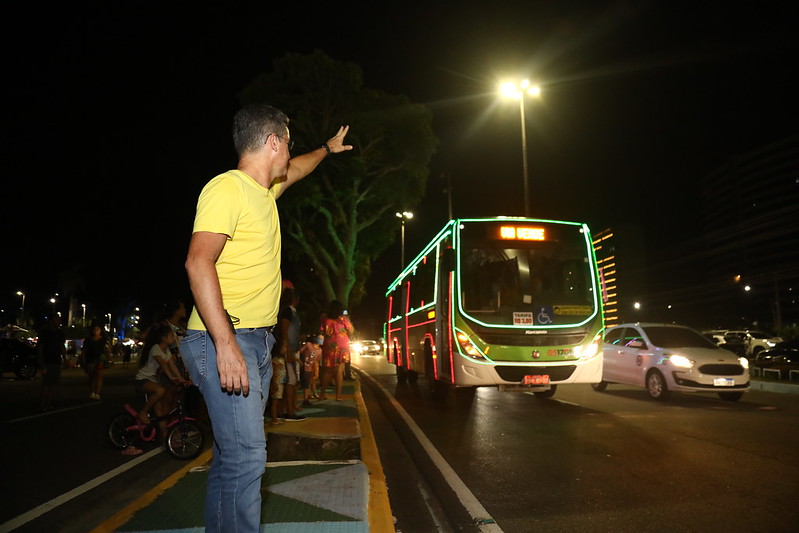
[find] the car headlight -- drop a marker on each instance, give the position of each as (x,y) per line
(744,362)
(681,361)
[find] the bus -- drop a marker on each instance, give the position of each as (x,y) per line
(511,302)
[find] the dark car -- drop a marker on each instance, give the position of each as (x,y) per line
(18,357)
(785,353)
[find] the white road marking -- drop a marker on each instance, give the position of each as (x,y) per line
(473,506)
(54,411)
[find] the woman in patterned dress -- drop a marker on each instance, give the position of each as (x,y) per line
(336,329)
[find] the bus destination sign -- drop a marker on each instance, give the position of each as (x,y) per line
(522,233)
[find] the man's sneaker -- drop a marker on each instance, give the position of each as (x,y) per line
(293,418)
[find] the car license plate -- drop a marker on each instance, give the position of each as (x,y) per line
(723,382)
(536,380)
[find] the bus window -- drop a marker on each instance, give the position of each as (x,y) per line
(498,282)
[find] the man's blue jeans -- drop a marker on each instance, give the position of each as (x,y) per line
(233,498)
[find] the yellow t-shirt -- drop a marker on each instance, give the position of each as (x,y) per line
(236,205)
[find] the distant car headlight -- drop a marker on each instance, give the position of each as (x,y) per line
(771,344)
(681,361)
(744,362)
(356,346)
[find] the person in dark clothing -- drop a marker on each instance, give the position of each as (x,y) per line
(94,355)
(51,348)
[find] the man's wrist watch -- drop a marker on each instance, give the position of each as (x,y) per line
(326,147)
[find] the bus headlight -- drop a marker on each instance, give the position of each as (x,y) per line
(468,347)
(589,350)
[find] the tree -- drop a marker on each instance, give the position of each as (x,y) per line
(339,219)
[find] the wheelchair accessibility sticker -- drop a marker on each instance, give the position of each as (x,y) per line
(544,315)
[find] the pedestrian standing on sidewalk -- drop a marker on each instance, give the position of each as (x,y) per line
(288,343)
(51,348)
(337,330)
(233,266)
(94,356)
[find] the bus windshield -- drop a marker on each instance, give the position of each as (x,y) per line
(527,283)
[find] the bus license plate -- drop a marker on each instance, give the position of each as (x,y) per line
(536,380)
(723,382)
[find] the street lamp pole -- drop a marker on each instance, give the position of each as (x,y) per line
(21,307)
(518,91)
(524,160)
(403,217)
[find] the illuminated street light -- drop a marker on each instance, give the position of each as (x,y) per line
(83,321)
(512,90)
(405,215)
(52,301)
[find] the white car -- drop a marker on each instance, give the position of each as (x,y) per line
(666,357)
(757,341)
(367,347)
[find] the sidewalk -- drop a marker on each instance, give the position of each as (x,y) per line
(323,475)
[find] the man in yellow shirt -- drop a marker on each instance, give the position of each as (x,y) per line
(234,272)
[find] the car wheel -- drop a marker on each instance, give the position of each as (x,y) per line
(600,387)
(25,371)
(542,395)
(731,396)
(656,385)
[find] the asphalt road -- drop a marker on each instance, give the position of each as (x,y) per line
(57,470)
(611,461)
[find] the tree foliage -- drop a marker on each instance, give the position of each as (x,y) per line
(339,219)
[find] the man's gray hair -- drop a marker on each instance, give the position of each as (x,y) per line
(254,123)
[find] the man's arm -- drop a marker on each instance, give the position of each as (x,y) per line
(204,250)
(304,164)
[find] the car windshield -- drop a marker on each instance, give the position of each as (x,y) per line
(671,337)
(759,335)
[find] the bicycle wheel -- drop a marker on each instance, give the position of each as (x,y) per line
(185,440)
(118,433)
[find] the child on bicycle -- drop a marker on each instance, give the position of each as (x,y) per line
(157,372)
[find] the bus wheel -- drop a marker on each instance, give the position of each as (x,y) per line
(544,394)
(600,387)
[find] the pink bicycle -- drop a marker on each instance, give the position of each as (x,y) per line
(184,437)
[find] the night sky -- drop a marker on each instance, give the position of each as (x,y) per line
(117,113)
